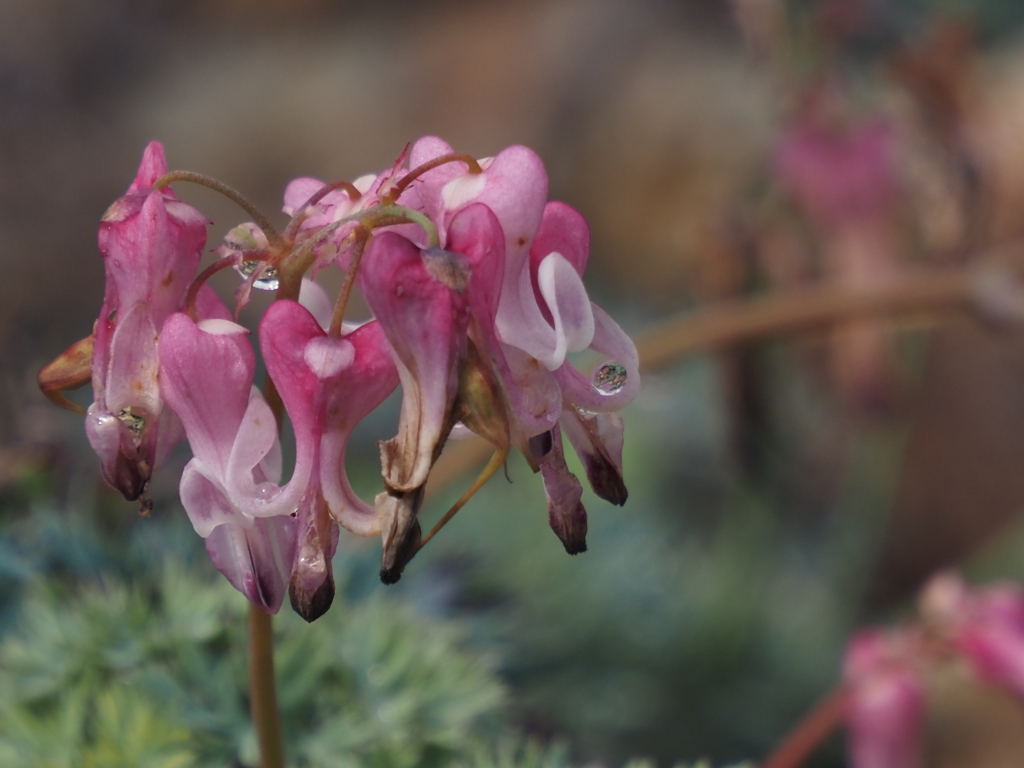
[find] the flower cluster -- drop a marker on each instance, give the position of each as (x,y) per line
(887,672)
(474,281)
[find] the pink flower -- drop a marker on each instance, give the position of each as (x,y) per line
(885,710)
(418,299)
(508,281)
(839,178)
(986,626)
(328,386)
(207,373)
(262,535)
(151,245)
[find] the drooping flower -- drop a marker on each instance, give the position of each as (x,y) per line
(328,385)
(475,281)
(504,292)
(207,373)
(151,245)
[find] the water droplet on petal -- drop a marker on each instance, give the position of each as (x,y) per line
(610,378)
(311,561)
(267,281)
(266,491)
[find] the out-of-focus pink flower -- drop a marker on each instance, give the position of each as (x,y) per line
(151,245)
(839,177)
(885,708)
(845,182)
(986,626)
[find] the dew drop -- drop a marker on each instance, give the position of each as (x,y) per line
(266,491)
(610,378)
(267,281)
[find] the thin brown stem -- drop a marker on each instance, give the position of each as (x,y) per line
(338,318)
(320,194)
(199,281)
(262,692)
(452,157)
(496,462)
(810,732)
(229,192)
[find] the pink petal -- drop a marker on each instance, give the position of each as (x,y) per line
(351,397)
(255,439)
(152,167)
(868,651)
(430,184)
(150,257)
(206,501)
(569,307)
(534,397)
(206,380)
(425,322)
(287,328)
(615,383)
(314,298)
(132,376)
(328,386)
(885,718)
(997,654)
(169,434)
(209,305)
(298,192)
(123,466)
(426,149)
(597,439)
(566,515)
(257,560)
(562,230)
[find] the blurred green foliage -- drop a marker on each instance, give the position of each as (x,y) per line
(695,625)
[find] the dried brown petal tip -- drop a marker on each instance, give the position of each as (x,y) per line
(70,370)
(400,531)
(311,604)
(570,527)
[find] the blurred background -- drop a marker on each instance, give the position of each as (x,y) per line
(784,490)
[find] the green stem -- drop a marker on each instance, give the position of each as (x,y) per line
(262,693)
(387,215)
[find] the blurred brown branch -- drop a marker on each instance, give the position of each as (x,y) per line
(970,290)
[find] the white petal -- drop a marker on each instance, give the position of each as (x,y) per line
(566,297)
